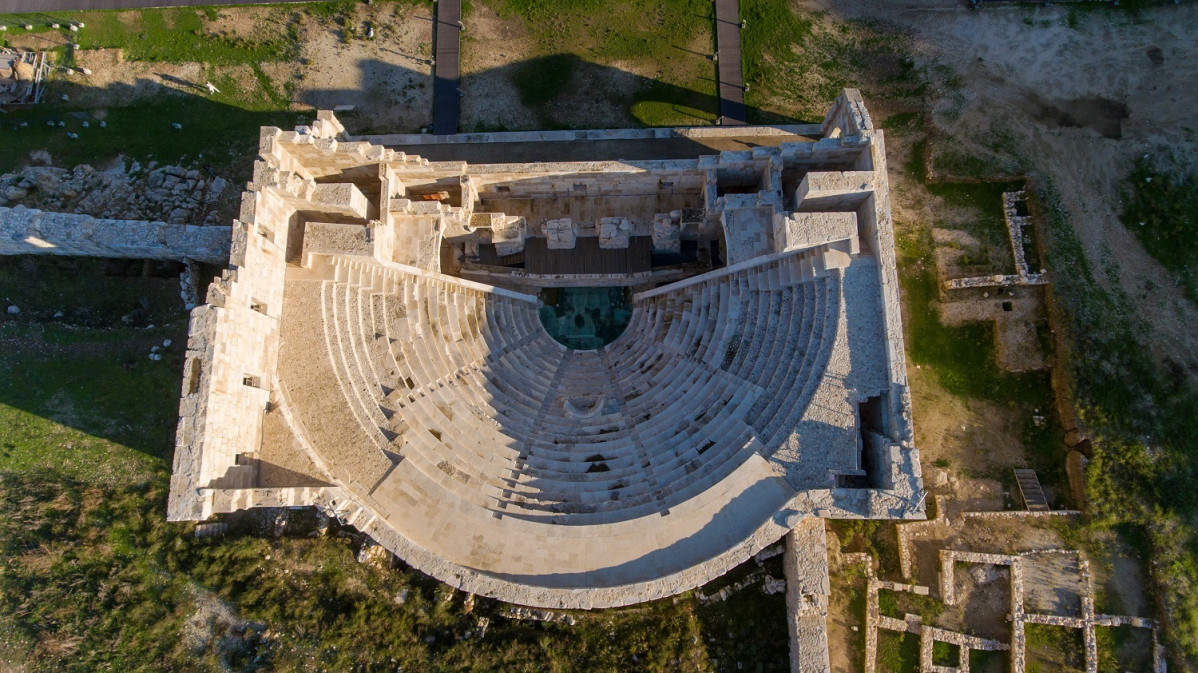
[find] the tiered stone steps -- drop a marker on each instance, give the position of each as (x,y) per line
(464,386)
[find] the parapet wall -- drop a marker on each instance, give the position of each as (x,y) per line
(232,353)
(25,231)
(848,116)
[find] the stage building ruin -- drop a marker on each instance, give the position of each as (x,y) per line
(576,384)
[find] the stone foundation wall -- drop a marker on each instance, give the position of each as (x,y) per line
(808,589)
(232,353)
(25,231)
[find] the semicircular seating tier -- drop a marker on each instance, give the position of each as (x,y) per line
(445,408)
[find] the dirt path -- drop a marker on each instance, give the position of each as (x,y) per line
(1079,94)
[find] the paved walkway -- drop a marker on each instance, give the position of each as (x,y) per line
(446,43)
(727,40)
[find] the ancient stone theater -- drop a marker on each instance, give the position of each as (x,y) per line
(574,384)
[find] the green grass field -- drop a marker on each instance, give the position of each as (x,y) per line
(92,577)
(1161,209)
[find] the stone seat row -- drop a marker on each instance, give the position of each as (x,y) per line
(468,386)
(545,476)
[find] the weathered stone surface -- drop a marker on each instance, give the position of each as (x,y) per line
(560,234)
(32,232)
(350,365)
(614,232)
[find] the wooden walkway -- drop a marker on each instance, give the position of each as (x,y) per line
(1029,487)
(732,83)
(446,45)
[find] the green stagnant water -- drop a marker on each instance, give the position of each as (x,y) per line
(585,318)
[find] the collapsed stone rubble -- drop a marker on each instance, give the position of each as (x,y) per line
(171,194)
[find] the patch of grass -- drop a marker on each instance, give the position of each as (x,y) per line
(849,584)
(946,654)
(79,394)
(542,80)
(982,661)
(796,61)
(89,292)
(888,604)
(612,30)
(877,538)
(952,161)
(898,604)
(962,357)
(748,630)
(771,27)
(174,35)
(1124,648)
(667,42)
(660,104)
(898,652)
(903,121)
(1138,416)
(1161,209)
(1053,648)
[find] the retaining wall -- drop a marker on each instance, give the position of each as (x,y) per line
(27,231)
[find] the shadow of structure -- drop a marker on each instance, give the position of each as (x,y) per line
(559,91)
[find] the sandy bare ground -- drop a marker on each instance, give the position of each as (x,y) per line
(490,44)
(1060,93)
(388,79)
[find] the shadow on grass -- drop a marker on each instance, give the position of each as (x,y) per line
(77,355)
(140,127)
(553,86)
(748,629)
(222,131)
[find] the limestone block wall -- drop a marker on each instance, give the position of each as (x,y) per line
(599,178)
(343,198)
(25,231)
(848,124)
(667,232)
(343,239)
(826,154)
(614,232)
(842,190)
(875,219)
(559,234)
(804,230)
(848,116)
(807,593)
